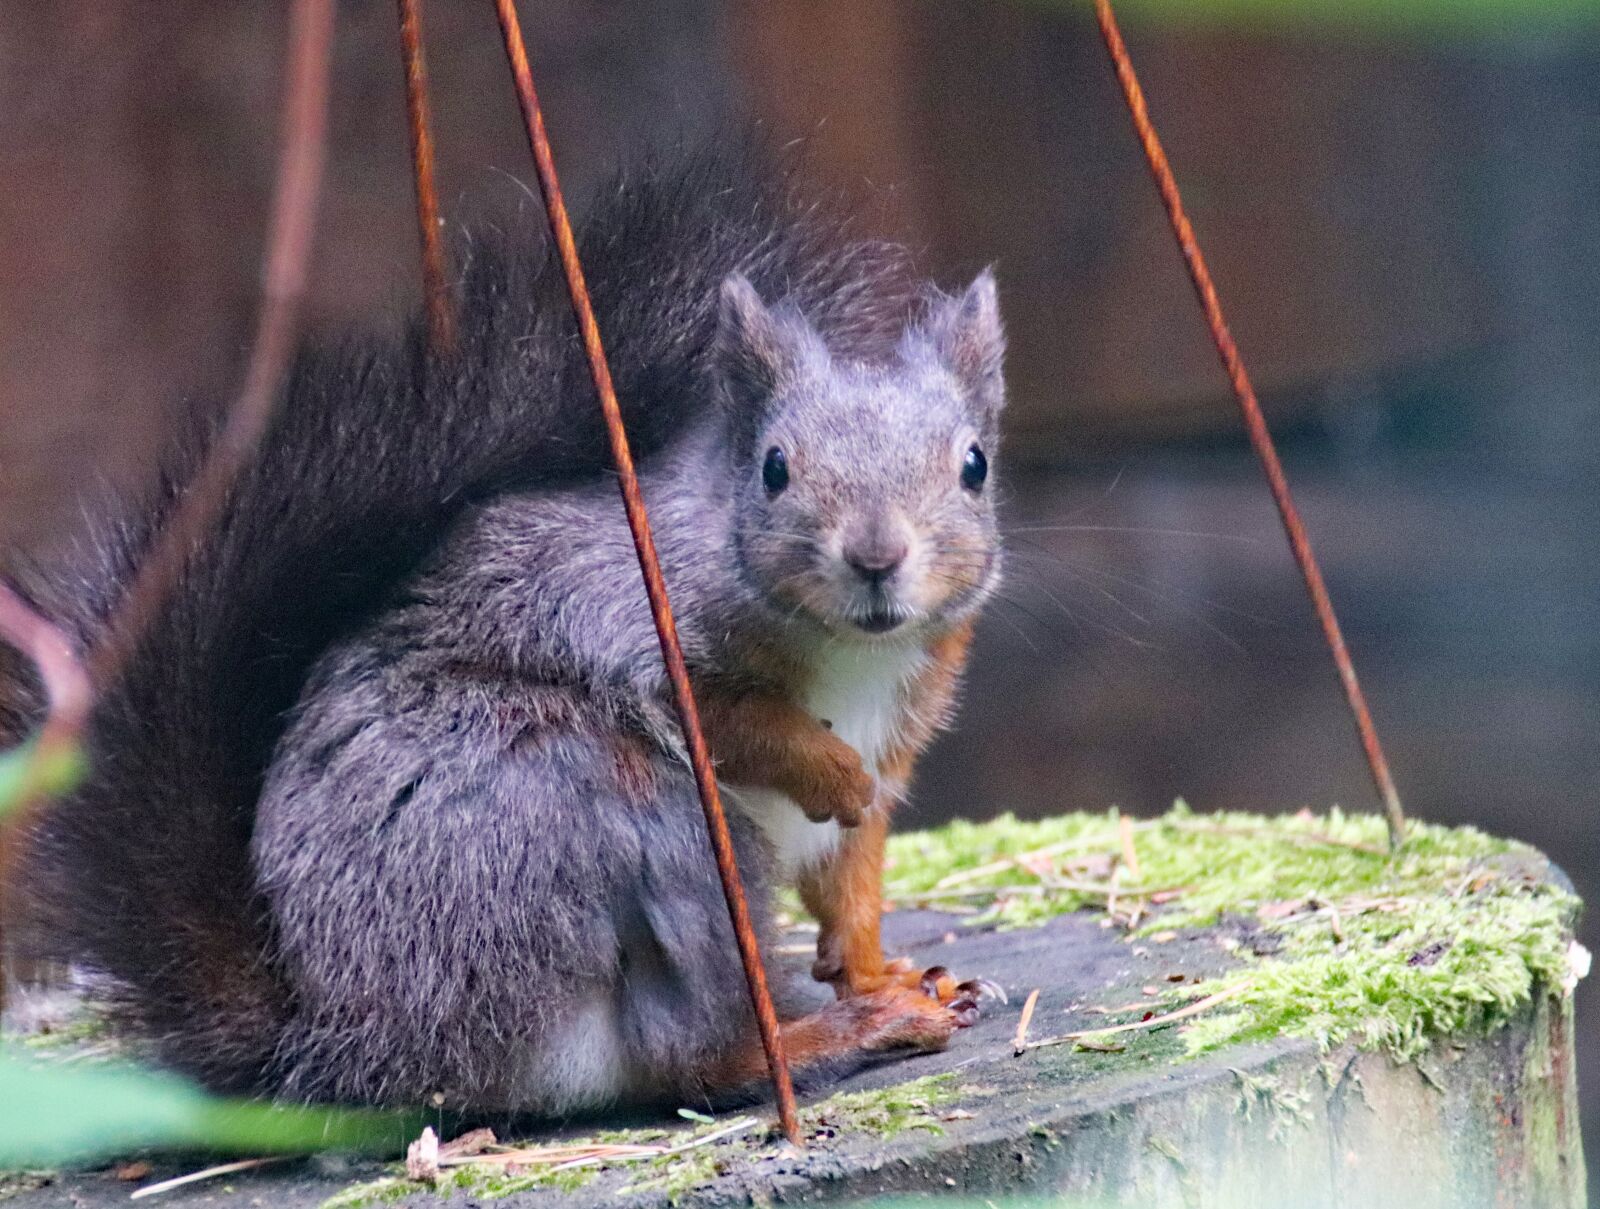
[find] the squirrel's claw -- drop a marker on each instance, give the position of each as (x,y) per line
(965,1006)
(981,989)
(964,1011)
(964,1001)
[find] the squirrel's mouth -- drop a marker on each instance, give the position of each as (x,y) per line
(880,620)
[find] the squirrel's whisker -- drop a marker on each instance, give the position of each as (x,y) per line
(1133,530)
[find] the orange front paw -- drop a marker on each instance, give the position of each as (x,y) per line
(841,789)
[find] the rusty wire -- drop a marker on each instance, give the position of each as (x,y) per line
(1255,423)
(655,586)
(435,288)
(302,151)
(69,682)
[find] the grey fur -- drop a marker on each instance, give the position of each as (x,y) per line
(469,859)
(461,752)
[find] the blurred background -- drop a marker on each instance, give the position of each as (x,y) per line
(1401,215)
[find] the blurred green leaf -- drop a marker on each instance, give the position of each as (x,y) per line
(53,1113)
(59,772)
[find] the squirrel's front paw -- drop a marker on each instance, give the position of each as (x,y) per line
(843,791)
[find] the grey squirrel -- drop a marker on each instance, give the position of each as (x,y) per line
(391,806)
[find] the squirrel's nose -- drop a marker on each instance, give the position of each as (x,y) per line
(876,558)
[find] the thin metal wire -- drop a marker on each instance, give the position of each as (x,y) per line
(436,291)
(1255,423)
(302,153)
(70,683)
(293,220)
(644,544)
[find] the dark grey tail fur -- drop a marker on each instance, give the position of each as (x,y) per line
(144,875)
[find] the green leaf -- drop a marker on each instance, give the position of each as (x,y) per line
(58,773)
(52,1113)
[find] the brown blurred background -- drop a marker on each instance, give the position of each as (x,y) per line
(1403,225)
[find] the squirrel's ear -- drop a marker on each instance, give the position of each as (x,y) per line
(758,350)
(968,336)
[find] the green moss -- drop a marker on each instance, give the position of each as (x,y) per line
(883,1112)
(83,1029)
(482,1181)
(678,1175)
(1451,935)
(373,1192)
(15,1183)
(1284,1107)
(487,1183)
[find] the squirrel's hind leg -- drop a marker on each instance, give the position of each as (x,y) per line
(487,890)
(846,1035)
(686,1020)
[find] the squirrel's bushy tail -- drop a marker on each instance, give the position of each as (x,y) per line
(143,876)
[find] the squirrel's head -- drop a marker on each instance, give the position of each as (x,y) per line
(865,492)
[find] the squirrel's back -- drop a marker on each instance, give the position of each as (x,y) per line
(143,876)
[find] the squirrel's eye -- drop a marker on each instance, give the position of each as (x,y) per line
(775,471)
(974,469)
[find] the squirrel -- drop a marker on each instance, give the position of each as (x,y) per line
(391,805)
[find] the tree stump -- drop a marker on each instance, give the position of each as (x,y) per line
(1179,1099)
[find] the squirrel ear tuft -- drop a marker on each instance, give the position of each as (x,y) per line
(967,334)
(757,350)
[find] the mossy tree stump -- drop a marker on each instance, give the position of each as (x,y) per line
(1348,1029)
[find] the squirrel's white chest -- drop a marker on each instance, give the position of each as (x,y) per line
(860,692)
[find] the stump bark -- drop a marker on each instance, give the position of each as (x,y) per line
(1485,1120)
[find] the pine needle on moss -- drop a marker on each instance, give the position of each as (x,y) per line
(674,1162)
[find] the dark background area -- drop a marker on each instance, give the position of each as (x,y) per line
(1403,225)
